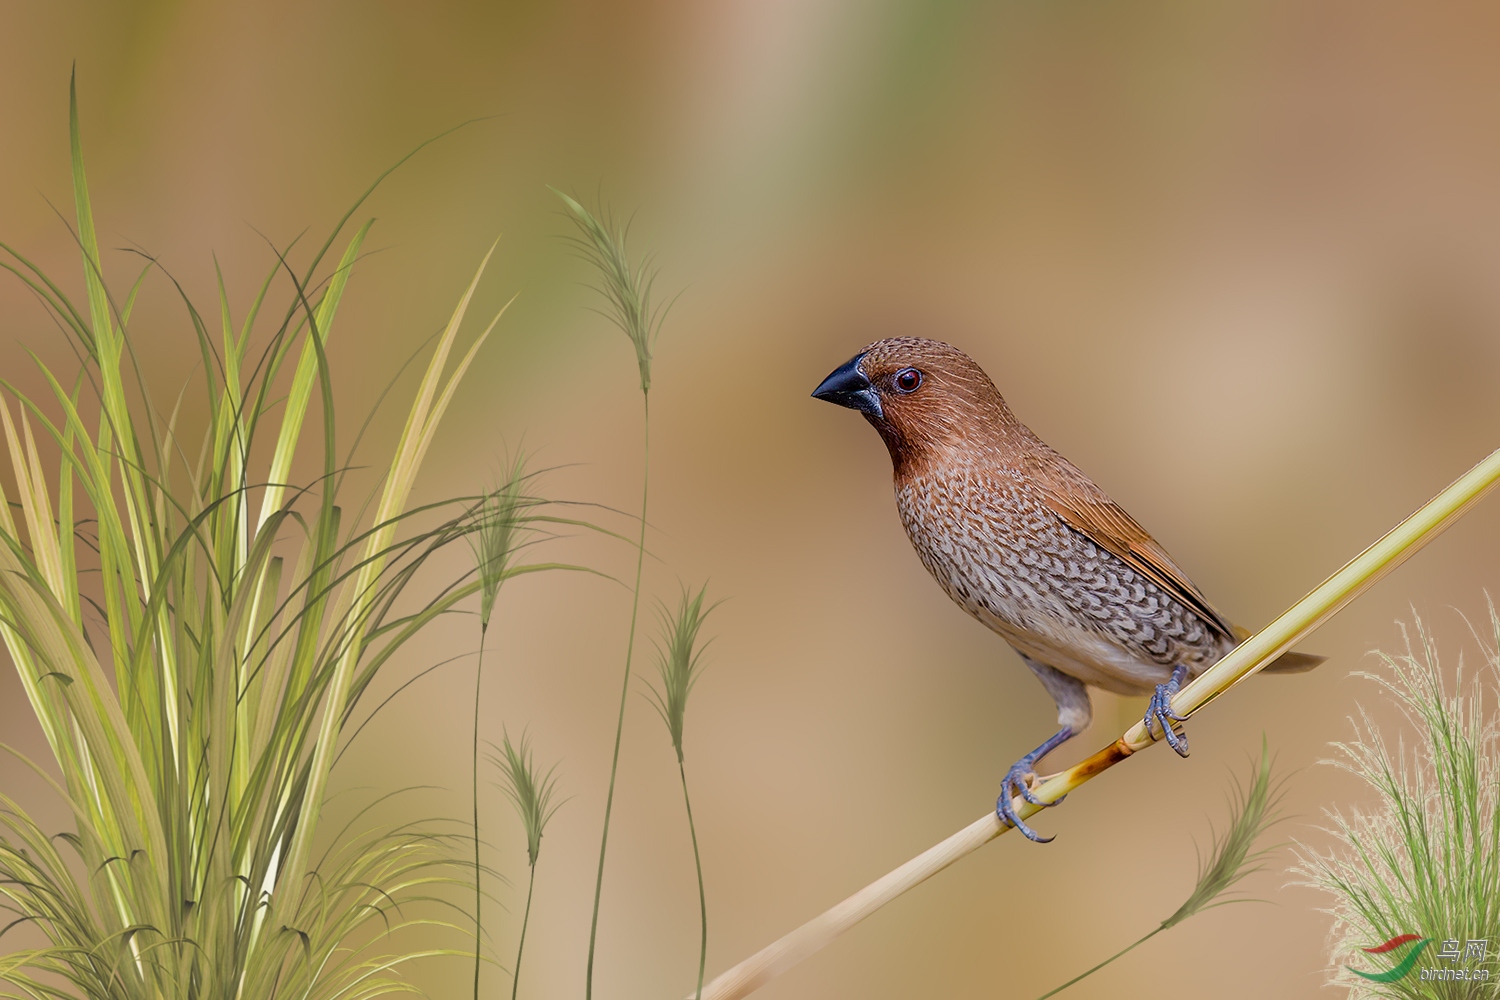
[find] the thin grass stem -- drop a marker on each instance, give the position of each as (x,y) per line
(702,898)
(1119,954)
(515,982)
(478,870)
(635,607)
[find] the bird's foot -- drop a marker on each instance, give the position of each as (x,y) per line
(1018,782)
(1159,713)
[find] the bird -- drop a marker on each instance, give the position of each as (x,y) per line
(1022,540)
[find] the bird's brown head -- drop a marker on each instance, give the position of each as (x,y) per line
(926,398)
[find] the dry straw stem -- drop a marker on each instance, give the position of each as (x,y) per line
(1394,548)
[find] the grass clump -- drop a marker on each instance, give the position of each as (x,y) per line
(1424,860)
(194,633)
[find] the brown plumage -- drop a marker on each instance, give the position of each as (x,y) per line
(1026,543)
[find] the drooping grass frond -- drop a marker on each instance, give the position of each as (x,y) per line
(1252,810)
(625,287)
(1425,859)
(679,660)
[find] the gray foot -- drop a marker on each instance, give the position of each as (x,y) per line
(1017,782)
(1160,713)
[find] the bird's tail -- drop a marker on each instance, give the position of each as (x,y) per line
(1292,663)
(1286,663)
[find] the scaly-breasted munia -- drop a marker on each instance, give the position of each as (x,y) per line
(1026,543)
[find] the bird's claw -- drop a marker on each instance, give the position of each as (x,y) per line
(1018,782)
(1159,713)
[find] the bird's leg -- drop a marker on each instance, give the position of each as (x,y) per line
(1074,710)
(1160,711)
(1018,782)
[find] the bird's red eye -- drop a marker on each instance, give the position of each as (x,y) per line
(907,380)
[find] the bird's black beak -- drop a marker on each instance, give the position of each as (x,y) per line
(847,386)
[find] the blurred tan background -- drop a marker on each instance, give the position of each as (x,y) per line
(1238,261)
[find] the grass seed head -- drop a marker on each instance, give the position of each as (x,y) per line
(626,288)
(530,792)
(679,660)
(499,524)
(1253,809)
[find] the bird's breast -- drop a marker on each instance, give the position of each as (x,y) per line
(1008,560)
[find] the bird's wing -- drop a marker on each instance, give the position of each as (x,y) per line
(1087,509)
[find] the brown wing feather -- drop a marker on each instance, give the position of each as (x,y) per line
(1087,509)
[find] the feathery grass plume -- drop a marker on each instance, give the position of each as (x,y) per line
(679,664)
(194,669)
(531,794)
(1253,808)
(679,660)
(627,289)
(499,524)
(1425,860)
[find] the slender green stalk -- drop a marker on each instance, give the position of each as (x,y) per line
(635,607)
(515,982)
(1084,975)
(702,898)
(478,888)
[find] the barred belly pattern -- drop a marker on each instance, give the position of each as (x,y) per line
(1012,563)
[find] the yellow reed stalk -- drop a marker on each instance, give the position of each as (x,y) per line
(1357,576)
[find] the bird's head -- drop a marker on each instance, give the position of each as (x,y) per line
(923,396)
